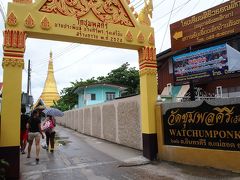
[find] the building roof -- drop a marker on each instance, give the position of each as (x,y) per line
(164,54)
(39,104)
(99,84)
(168,53)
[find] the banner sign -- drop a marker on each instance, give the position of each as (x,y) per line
(205,63)
(206,126)
(220,21)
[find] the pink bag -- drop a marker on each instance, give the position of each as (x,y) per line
(48,125)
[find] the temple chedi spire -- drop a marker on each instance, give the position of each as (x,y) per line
(50,92)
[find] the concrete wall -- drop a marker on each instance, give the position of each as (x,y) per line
(222,159)
(118,121)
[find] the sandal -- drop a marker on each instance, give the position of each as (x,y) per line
(37,160)
(23,152)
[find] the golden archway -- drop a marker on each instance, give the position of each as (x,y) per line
(109,23)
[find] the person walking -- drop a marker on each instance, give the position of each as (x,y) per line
(49,124)
(24,132)
(35,132)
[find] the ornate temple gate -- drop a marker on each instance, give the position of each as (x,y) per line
(110,23)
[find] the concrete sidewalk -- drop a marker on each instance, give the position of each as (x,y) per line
(77,156)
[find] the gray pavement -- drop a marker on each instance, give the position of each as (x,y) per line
(77,156)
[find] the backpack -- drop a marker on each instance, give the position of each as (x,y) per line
(48,125)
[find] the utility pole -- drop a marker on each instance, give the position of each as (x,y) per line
(28,82)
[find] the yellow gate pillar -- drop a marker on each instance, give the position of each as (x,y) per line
(148,89)
(13,63)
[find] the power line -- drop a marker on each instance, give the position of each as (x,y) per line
(174,14)
(159,4)
(82,58)
(183,4)
(193,8)
(167,25)
(40,76)
(213,3)
(136,3)
(60,53)
(133,1)
(196,5)
(181,7)
(40,65)
(2,10)
(156,6)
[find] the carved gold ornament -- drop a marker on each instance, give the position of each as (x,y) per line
(147,58)
(135,15)
(146,13)
(12,62)
(132,8)
(147,54)
(141,37)
(45,24)
(148,71)
(14,39)
(29,22)
(12,19)
(23,1)
(129,36)
(107,11)
(151,39)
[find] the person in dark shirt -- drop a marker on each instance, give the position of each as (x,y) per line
(24,132)
(35,132)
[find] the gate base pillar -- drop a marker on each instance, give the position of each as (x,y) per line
(11,155)
(150,146)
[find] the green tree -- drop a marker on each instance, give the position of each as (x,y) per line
(123,76)
(126,76)
(68,99)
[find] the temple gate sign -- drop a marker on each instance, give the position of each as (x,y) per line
(110,23)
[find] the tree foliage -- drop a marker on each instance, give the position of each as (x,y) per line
(124,76)
(67,100)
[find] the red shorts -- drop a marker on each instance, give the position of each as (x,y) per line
(24,135)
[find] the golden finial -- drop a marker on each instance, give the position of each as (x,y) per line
(146,13)
(50,54)
(50,92)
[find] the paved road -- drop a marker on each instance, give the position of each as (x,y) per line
(82,157)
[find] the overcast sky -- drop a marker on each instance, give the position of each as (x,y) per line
(75,61)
